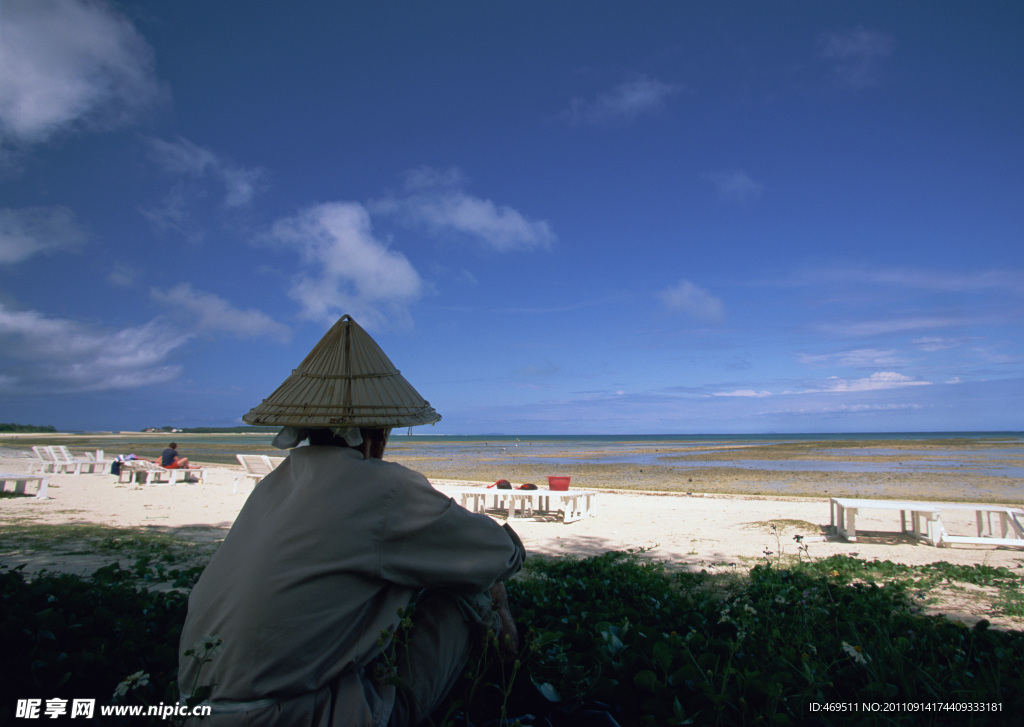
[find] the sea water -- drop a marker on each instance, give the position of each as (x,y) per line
(976,453)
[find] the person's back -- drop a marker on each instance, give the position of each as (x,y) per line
(326,550)
(170,458)
(308,586)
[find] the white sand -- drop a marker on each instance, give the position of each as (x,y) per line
(720,533)
(699,530)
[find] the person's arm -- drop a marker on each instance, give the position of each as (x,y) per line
(509,632)
(429,541)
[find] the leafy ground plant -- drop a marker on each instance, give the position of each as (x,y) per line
(666,648)
(619,633)
(69,636)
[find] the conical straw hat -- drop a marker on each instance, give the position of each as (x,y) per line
(345,381)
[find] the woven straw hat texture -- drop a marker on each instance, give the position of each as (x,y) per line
(346,380)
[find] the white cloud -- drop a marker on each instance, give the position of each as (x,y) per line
(123,275)
(213,314)
(435,199)
(347,270)
(736,186)
(859,357)
(841,409)
(58,355)
(857,56)
(623,104)
(68,63)
(896,325)
(931,344)
(693,301)
(185,158)
(744,394)
(876,382)
(961,281)
(33,230)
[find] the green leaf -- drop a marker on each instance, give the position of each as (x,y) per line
(646,679)
(548,692)
(662,655)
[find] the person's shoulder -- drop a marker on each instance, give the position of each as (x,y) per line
(398,470)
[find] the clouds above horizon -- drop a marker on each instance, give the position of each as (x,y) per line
(736,186)
(198,173)
(35,230)
(60,356)
(623,104)
(209,313)
(896,325)
(344,268)
(674,228)
(857,358)
(693,301)
(856,55)
(878,381)
(185,158)
(71,64)
(1006,280)
(435,199)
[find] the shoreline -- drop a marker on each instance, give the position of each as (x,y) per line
(79,528)
(686,523)
(989,470)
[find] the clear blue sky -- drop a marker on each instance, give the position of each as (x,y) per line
(568,217)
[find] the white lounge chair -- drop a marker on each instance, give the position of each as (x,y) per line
(69,462)
(150,473)
(64,461)
(44,461)
(256,467)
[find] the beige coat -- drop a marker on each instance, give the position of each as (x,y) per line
(325,551)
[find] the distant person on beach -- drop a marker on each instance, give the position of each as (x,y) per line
(348,591)
(169,459)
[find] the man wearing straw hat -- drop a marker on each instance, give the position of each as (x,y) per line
(327,555)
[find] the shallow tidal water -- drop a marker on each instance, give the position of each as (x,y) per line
(986,467)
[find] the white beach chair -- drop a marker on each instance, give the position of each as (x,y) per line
(255,467)
(150,473)
(44,461)
(63,461)
(97,460)
(70,462)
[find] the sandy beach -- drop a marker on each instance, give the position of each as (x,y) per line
(712,518)
(696,529)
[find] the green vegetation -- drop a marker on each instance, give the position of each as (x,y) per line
(149,545)
(26,429)
(648,643)
(80,637)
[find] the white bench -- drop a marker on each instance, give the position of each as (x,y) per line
(926,520)
(20,481)
(142,470)
(523,504)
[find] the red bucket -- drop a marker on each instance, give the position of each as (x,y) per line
(558,483)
